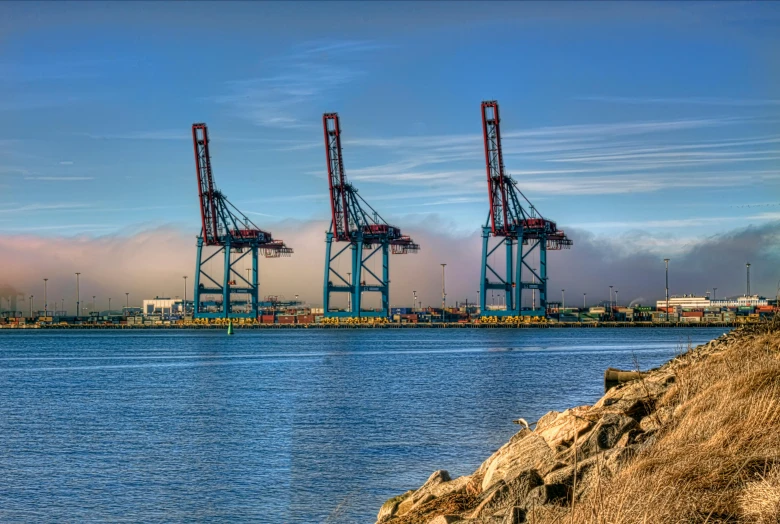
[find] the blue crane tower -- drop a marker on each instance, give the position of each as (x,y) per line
(521,231)
(232,236)
(359,226)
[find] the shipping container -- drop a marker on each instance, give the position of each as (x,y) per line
(400,310)
(697,314)
(285,319)
(267,319)
(305,319)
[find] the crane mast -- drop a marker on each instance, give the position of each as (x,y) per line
(521,231)
(360,226)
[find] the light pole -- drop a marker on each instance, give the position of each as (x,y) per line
(93,303)
(533,291)
(62,307)
(184,304)
(109,305)
(748,279)
(616,300)
(610,301)
(31,304)
(443,295)
(666,261)
(714,293)
(127,300)
(563,299)
(78,295)
(45,298)
(583,300)
(349,295)
(414,301)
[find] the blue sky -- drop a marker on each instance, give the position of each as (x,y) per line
(617,117)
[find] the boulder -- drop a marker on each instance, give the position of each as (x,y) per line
(390,508)
(515,515)
(445,519)
(507,493)
(530,452)
(560,430)
(438,485)
(657,419)
(606,434)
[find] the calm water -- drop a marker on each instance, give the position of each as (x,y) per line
(277,426)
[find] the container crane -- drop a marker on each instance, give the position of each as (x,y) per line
(234,236)
(359,226)
(521,231)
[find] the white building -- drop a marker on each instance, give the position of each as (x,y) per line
(753,300)
(161,306)
(686,302)
(694,302)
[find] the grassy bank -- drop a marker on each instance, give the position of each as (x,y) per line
(696,440)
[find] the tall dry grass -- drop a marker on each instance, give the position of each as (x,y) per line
(716,460)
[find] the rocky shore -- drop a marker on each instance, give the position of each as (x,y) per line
(696,440)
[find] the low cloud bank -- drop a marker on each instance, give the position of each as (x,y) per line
(152,263)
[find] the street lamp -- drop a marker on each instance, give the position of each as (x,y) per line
(748,279)
(45,298)
(349,295)
(127,300)
(666,260)
(583,300)
(93,303)
(31,305)
(184,305)
(78,295)
(714,293)
(443,294)
(563,299)
(616,300)
(610,300)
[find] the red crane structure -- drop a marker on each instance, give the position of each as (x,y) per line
(521,231)
(234,236)
(355,222)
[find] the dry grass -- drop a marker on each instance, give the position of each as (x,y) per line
(717,460)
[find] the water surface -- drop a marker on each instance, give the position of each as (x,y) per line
(278,426)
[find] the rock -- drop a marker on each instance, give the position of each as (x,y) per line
(563,479)
(656,420)
(548,494)
(606,434)
(437,485)
(507,493)
(635,399)
(445,519)
(516,457)
(561,429)
(389,508)
(515,438)
(515,515)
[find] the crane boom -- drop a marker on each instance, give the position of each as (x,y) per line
(337,180)
(208,208)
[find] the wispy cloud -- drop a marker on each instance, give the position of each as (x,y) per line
(694,100)
(60,178)
(41,207)
(680,223)
(302,76)
(66,163)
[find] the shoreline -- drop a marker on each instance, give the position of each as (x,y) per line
(672,445)
(453,325)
